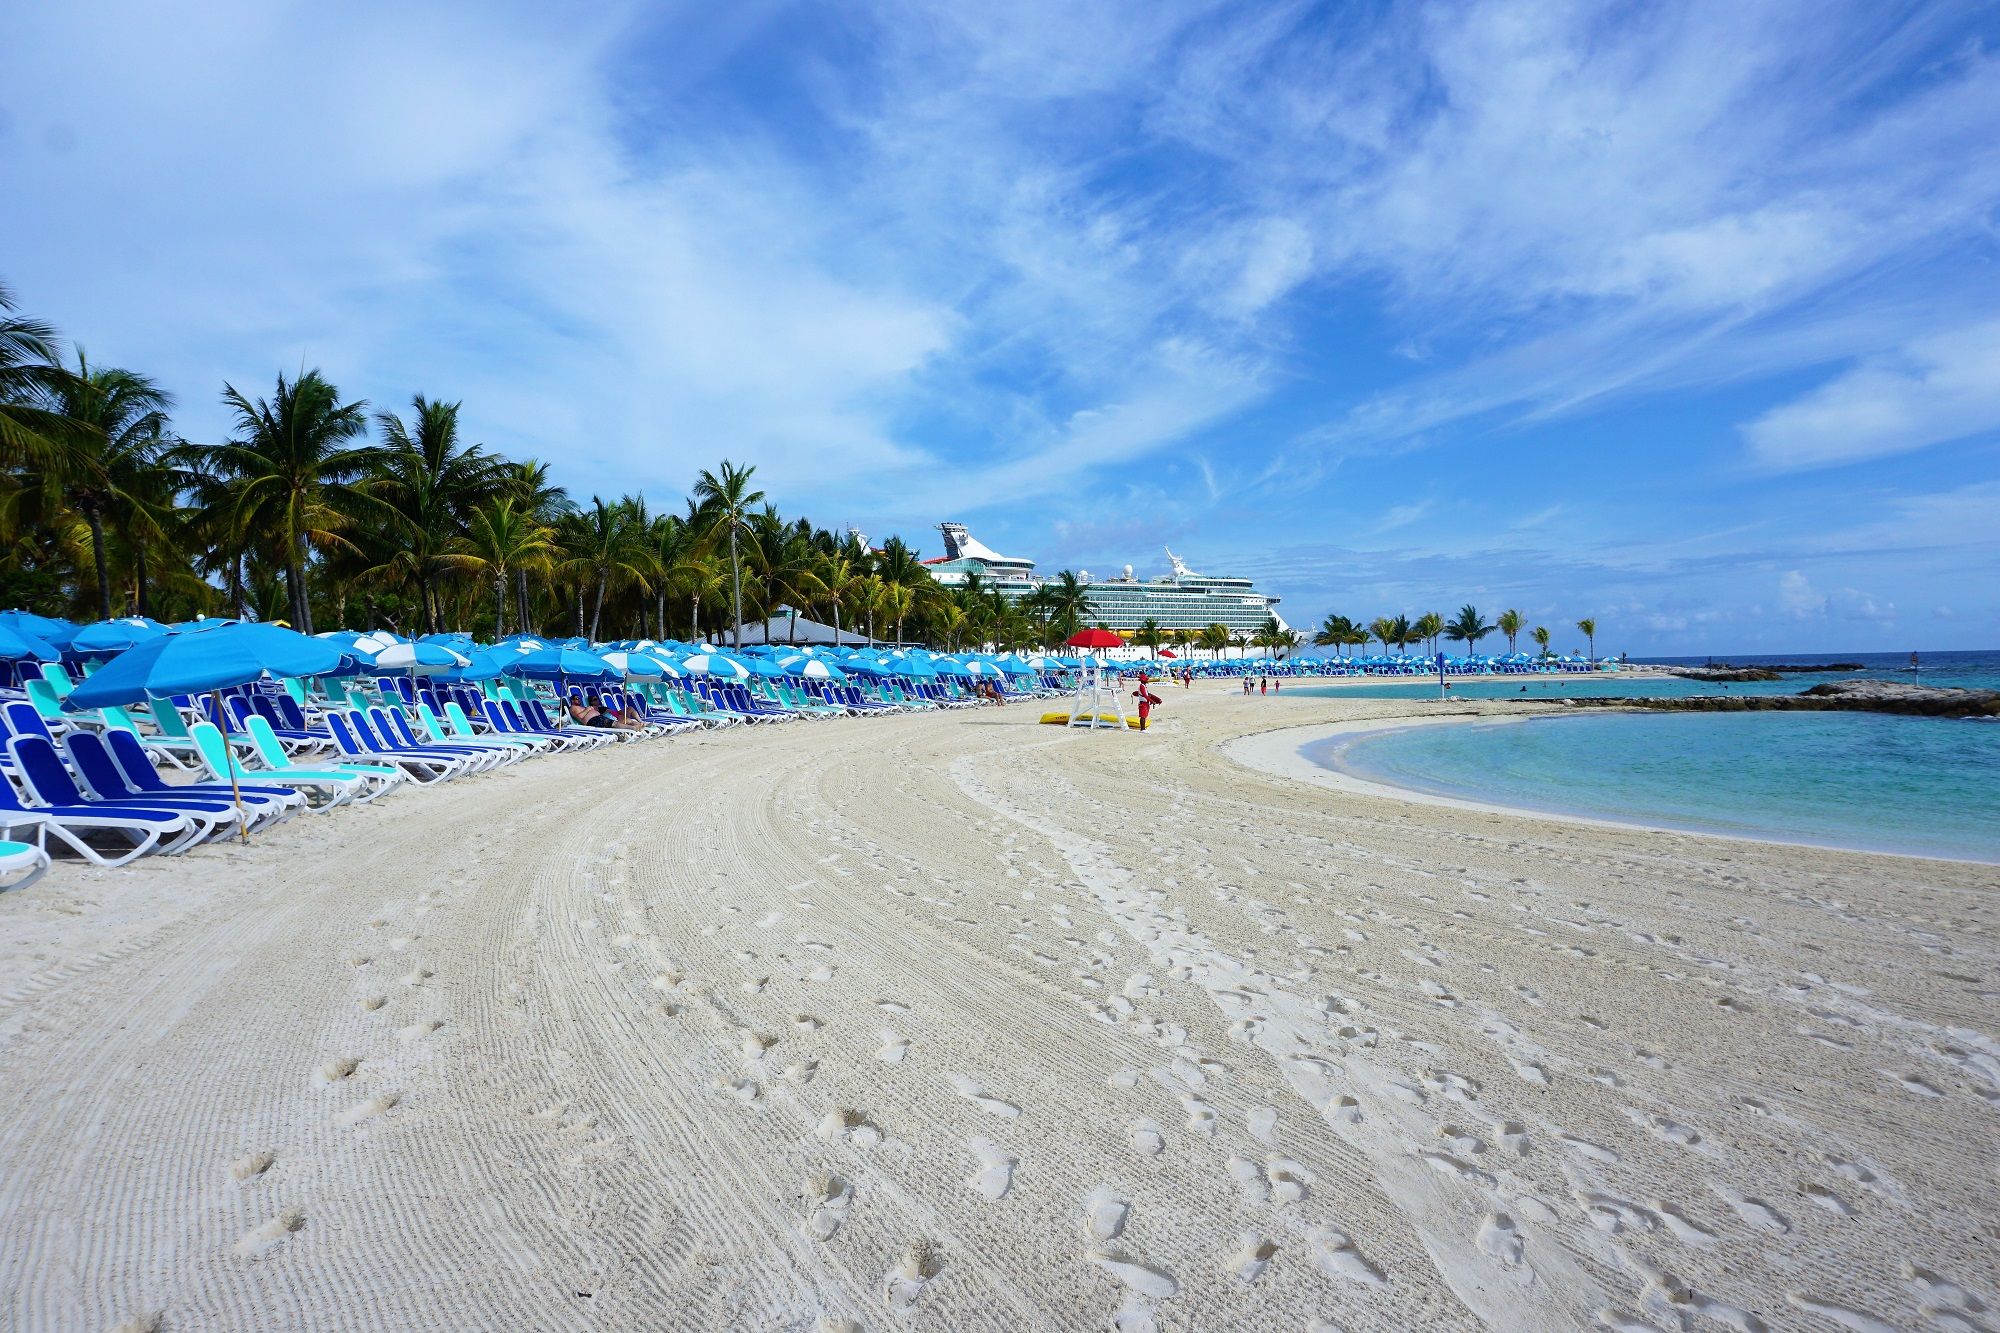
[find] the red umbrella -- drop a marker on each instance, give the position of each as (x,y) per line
(1166,652)
(1094,638)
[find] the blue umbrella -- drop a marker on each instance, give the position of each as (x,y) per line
(16,644)
(560,664)
(115,636)
(480,665)
(55,633)
(204,661)
(214,659)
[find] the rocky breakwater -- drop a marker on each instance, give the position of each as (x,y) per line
(1864,696)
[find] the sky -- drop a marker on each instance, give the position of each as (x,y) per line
(1682,316)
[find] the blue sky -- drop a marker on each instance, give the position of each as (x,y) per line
(1684,316)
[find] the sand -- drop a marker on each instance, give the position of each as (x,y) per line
(960,1022)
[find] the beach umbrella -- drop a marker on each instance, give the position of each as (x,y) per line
(1095,638)
(812,668)
(47,629)
(480,664)
(17,644)
(205,662)
(715,664)
(559,664)
(419,659)
(115,636)
(641,665)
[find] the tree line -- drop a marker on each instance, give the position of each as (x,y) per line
(321,512)
(1467,627)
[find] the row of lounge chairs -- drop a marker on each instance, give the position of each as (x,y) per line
(96,784)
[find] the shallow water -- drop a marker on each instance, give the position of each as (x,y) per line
(1926,786)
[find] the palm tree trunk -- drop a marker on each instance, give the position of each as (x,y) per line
(500,606)
(694,618)
(103,571)
(792,636)
(736,578)
(660,615)
(597,611)
(521,598)
(304,623)
(579,610)
(141,602)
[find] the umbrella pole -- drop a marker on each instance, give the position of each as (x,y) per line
(222,720)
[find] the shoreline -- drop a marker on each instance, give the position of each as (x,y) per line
(1286,758)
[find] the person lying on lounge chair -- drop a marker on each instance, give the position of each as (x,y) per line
(589,714)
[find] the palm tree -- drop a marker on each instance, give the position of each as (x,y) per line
(1467,628)
(1588,628)
(31,431)
(725,498)
(541,500)
(898,567)
(1149,634)
(1384,629)
(1541,638)
(293,476)
(1403,632)
(429,482)
(1333,632)
(607,547)
(1428,627)
(500,540)
(119,424)
(1509,623)
(1068,599)
(1216,638)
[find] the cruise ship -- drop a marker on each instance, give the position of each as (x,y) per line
(1181,599)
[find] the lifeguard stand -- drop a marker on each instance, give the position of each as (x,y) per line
(1098,701)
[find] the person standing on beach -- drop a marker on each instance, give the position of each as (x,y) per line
(1146,700)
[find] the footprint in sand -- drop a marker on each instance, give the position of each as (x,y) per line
(251,1165)
(1147,1140)
(851,1125)
(1754,1210)
(1596,1152)
(917,1269)
(1500,1238)
(1289,1181)
(418,1031)
(1200,1116)
(1263,1124)
(335,1070)
(1140,1278)
(1104,1214)
(1344,1110)
(1682,1227)
(1253,1255)
(1249,1178)
(361,1112)
(894,1048)
(1848,1317)
(1827,1199)
(828,1197)
(996,1169)
(259,1239)
(373,1002)
(984,1100)
(1335,1254)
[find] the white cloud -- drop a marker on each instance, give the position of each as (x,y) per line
(1939,388)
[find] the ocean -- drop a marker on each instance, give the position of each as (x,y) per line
(1875,782)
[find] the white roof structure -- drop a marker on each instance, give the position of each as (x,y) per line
(780,629)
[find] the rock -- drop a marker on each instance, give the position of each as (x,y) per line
(1867,696)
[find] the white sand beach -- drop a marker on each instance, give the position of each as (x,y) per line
(960,1022)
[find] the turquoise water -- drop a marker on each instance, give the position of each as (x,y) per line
(1927,786)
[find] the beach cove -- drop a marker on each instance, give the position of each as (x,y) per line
(956,1021)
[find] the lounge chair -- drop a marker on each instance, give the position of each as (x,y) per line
(16,857)
(101,776)
(139,773)
(142,830)
(334,787)
(356,743)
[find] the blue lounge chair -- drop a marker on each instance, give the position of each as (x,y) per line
(142,829)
